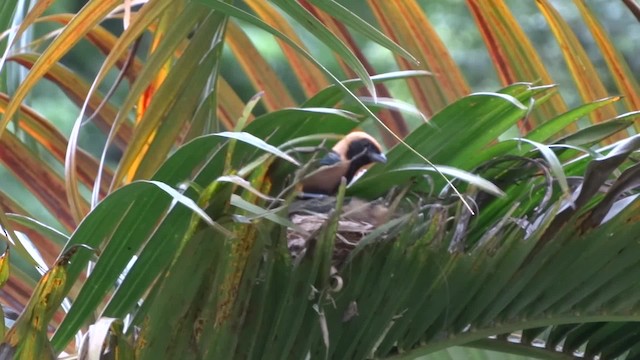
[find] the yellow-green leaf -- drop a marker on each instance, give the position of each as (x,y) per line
(585,76)
(406,23)
(625,79)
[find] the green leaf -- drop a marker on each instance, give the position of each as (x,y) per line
(493,350)
(257,142)
(28,335)
(554,126)
(376,185)
(332,94)
(259,213)
(7,11)
(178,197)
(139,207)
(318,30)
(343,15)
(394,104)
(552,161)
(598,132)
(459,133)
(47,231)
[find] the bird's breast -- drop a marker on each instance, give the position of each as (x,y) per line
(326,179)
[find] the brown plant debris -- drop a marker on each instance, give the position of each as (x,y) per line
(358,219)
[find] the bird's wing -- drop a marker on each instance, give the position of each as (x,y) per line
(330,159)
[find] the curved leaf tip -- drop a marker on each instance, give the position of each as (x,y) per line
(506,97)
(258,143)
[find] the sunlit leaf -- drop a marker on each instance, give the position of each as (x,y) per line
(514,57)
(309,76)
(380,183)
(553,161)
(258,70)
(405,23)
(257,142)
(622,75)
(598,132)
(587,80)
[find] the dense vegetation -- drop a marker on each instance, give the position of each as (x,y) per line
(163,227)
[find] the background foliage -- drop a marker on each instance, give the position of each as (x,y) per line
(146,172)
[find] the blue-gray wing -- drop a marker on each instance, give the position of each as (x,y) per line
(330,159)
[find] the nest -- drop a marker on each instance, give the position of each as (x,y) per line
(357,220)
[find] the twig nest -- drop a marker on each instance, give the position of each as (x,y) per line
(358,218)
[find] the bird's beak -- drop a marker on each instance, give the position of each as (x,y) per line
(375,157)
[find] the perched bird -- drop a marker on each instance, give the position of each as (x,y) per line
(355,151)
(316,202)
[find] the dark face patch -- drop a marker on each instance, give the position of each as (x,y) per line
(360,148)
(358,154)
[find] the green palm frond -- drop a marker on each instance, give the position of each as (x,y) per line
(184,244)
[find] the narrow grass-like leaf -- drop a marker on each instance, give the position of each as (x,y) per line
(259,213)
(405,23)
(35,11)
(4,276)
(394,104)
(188,76)
(598,132)
(169,133)
(76,90)
(258,70)
(96,338)
(54,142)
(588,82)
(178,197)
(7,10)
(179,315)
(378,184)
(514,56)
(201,160)
(232,11)
(258,143)
(147,14)
(358,24)
(552,127)
(41,179)
(463,119)
(331,95)
(315,27)
(103,39)
(261,306)
(153,65)
(229,111)
(310,77)
(140,206)
(622,75)
(90,15)
(553,161)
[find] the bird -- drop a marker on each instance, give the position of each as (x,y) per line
(316,200)
(351,154)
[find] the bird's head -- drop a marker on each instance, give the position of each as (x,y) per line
(350,155)
(361,147)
